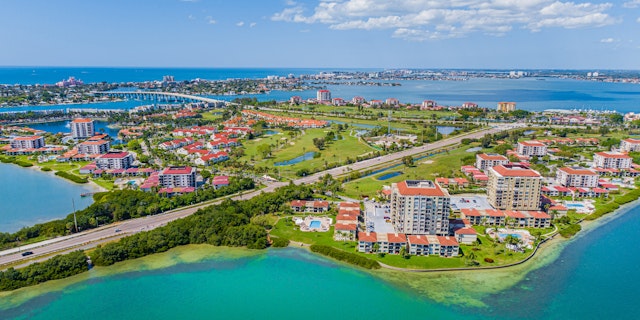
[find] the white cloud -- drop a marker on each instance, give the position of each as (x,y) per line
(210,20)
(240,24)
(191,17)
(420,20)
(638,20)
(252,24)
(631,4)
(608,40)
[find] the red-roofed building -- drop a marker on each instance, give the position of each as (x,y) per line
(220,181)
(577,177)
(466,235)
(366,241)
(485,161)
(391,242)
(309,206)
(532,148)
(346,230)
(82,128)
(449,246)
(630,145)
(177,177)
(420,207)
(612,160)
(94,147)
(514,187)
(27,142)
(114,160)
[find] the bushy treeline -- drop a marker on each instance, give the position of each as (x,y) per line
(347,257)
(119,205)
(71,176)
(570,230)
(58,267)
(21,163)
(607,208)
(226,224)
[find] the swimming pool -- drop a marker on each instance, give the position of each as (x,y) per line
(504,235)
(315,224)
(575,205)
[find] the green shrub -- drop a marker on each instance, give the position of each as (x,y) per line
(72,177)
(570,230)
(45,169)
(348,257)
(279,242)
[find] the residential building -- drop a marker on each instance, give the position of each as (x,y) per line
(27,142)
(94,147)
(82,128)
(420,207)
(577,177)
(469,105)
(391,242)
(513,218)
(426,104)
(295,100)
(514,187)
(173,177)
(323,96)
(612,160)
(424,245)
(506,106)
(392,102)
(484,161)
(366,241)
(114,160)
(338,102)
(357,100)
(532,148)
(466,235)
(309,206)
(629,145)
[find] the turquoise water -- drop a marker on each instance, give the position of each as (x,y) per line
(30,196)
(575,205)
(63,126)
(504,235)
(307,156)
(315,224)
(591,279)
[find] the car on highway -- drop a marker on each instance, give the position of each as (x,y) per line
(118,230)
(27,253)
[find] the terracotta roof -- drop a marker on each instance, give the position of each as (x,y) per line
(539,215)
(514,214)
(346,226)
(532,143)
(368,237)
(470,212)
(114,155)
(81,120)
(396,238)
(578,171)
(447,241)
(491,156)
(418,240)
(515,171)
(177,170)
(466,231)
(616,155)
(433,190)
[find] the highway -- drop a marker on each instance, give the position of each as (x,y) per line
(93,237)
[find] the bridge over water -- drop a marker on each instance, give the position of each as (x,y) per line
(163,97)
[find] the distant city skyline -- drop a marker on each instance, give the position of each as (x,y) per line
(499,34)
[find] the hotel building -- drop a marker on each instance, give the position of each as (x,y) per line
(419,207)
(514,187)
(173,177)
(82,128)
(577,177)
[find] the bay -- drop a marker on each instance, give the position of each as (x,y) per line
(588,277)
(30,196)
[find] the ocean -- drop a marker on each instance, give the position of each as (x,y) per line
(591,277)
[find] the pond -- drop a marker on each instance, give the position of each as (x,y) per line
(304,157)
(445,129)
(270,132)
(389,175)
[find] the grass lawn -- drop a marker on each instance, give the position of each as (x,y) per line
(336,151)
(441,165)
(351,111)
(486,249)
(213,115)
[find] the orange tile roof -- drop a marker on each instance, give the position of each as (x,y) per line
(515,172)
(434,191)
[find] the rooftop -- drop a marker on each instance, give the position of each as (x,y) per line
(420,188)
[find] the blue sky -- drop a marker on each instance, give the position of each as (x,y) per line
(577,34)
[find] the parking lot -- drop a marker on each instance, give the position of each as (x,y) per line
(469,202)
(376,217)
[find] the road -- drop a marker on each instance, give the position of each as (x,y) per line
(92,238)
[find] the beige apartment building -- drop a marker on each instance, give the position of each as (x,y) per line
(514,187)
(420,207)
